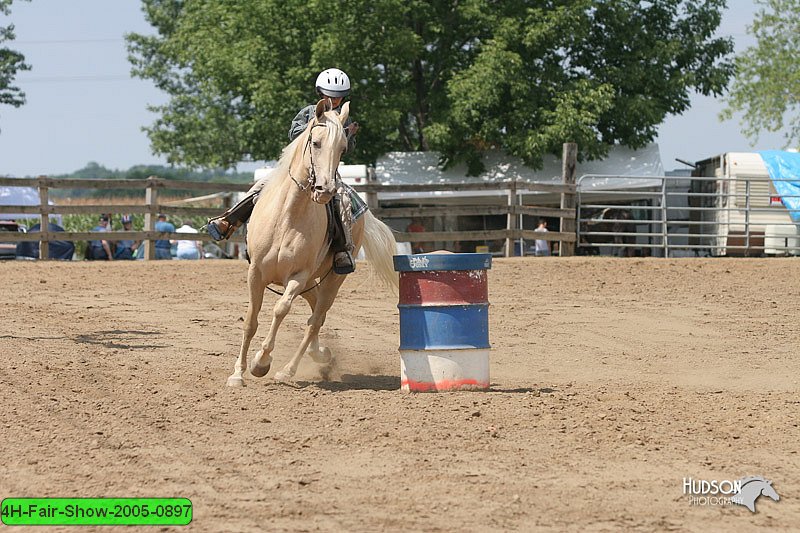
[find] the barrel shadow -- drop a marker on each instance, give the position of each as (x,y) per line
(494,387)
(361,382)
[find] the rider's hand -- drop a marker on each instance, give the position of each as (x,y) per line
(352,129)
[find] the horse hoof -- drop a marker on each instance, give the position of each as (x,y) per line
(259,371)
(323,356)
(235,381)
(282,376)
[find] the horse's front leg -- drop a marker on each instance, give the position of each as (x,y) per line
(256,286)
(262,361)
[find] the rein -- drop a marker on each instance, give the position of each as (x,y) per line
(308,289)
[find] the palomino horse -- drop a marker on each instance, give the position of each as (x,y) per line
(288,243)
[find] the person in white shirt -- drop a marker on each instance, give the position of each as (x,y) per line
(189,249)
(542,248)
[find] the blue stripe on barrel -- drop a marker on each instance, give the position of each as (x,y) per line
(453,327)
(421,262)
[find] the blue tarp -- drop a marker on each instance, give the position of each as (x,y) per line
(58,249)
(785,166)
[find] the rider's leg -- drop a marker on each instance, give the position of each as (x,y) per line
(223,226)
(342,244)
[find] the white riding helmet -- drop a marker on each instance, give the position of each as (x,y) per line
(333,82)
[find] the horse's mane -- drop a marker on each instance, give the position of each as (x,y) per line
(288,154)
(750,479)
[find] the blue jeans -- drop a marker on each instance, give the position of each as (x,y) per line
(163,253)
(189,254)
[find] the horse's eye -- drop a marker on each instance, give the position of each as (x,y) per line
(317,144)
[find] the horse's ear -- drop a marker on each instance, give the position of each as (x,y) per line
(345,113)
(322,106)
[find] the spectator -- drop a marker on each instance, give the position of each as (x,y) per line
(100,249)
(416,226)
(542,247)
(126,247)
(189,249)
(163,246)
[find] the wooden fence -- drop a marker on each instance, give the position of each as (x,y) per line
(152,207)
(512,210)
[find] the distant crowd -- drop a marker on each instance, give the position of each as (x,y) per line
(105,249)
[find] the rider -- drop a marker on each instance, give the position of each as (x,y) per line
(333,84)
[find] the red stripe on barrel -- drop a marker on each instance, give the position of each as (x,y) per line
(443,385)
(438,287)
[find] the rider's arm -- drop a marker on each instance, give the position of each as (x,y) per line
(300,122)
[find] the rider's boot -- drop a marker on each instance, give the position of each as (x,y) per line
(343,263)
(223,226)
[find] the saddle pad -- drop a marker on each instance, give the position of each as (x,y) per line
(357,205)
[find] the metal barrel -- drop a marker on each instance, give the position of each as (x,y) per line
(444,321)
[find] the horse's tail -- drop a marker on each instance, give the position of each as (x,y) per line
(379,247)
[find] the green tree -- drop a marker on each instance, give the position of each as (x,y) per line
(766,86)
(458,76)
(11,62)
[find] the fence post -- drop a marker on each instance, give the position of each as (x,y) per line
(747,217)
(44,205)
(512,218)
(664,218)
(151,199)
(569,163)
(372,196)
(227,203)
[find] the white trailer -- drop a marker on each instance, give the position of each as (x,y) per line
(748,217)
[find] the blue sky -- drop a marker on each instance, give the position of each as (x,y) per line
(82,105)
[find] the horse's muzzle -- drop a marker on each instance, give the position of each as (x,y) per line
(321,197)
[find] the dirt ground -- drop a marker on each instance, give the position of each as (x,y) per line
(612,381)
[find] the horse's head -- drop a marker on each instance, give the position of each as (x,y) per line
(770,492)
(323,150)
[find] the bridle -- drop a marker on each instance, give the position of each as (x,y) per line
(312,172)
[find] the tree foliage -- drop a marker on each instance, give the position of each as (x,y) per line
(94,170)
(766,86)
(458,76)
(11,62)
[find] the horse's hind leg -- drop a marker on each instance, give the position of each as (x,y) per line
(256,287)
(325,296)
(321,355)
(261,362)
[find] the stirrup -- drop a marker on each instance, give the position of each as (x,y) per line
(346,266)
